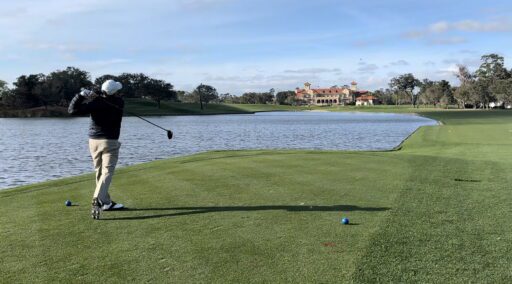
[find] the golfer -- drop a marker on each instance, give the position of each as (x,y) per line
(106,111)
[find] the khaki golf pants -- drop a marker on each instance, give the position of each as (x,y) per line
(105,153)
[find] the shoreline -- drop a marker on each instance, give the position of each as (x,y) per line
(394,148)
(185,109)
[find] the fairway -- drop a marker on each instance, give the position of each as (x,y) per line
(437,210)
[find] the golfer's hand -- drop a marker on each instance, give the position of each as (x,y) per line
(86,93)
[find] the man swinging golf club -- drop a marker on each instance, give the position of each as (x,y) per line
(106,111)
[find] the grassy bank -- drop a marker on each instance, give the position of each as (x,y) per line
(386,108)
(436,211)
(146,107)
(149,108)
(34,112)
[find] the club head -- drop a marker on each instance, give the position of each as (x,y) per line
(169,134)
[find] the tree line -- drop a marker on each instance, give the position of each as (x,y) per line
(270,97)
(59,87)
(490,83)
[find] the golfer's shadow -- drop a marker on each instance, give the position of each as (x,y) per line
(213,209)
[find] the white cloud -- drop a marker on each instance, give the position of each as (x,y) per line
(62,47)
(374,82)
(448,71)
(447,40)
(180,40)
(367,68)
(467,51)
(439,27)
(219,78)
(476,26)
(239,84)
(160,74)
(435,34)
(39,11)
(500,25)
(400,62)
(314,70)
(470,62)
(23,20)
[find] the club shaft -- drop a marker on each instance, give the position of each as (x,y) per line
(146,120)
(134,114)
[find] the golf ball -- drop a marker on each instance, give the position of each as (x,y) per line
(344,221)
(68,203)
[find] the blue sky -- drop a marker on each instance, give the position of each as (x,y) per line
(239,46)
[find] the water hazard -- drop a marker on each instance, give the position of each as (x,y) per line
(39,149)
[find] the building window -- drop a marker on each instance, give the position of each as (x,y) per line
(317,101)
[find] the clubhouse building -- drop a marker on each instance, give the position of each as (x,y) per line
(329,96)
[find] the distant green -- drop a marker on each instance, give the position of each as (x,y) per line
(436,211)
(147,107)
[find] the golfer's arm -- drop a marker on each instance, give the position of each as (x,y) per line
(78,107)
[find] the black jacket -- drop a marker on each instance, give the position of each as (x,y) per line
(106,115)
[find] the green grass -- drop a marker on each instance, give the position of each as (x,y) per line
(150,108)
(147,107)
(262,107)
(437,211)
(384,108)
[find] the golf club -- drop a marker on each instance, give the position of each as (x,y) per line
(169,132)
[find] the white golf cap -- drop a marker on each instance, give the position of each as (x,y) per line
(110,87)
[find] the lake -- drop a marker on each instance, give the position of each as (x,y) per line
(39,149)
